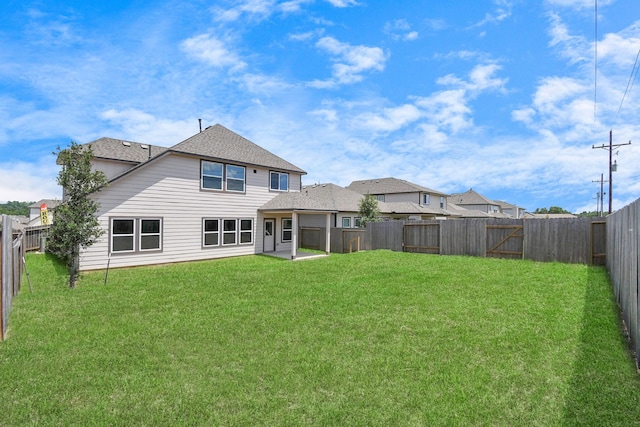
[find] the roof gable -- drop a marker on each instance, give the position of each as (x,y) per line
(388,186)
(218,142)
(470,197)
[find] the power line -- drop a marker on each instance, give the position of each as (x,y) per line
(632,78)
(595,64)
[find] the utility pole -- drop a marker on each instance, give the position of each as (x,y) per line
(601,195)
(612,167)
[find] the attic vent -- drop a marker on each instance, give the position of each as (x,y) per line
(144,147)
(126,144)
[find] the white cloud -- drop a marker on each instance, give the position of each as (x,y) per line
(37,180)
(400,30)
(143,127)
(213,51)
(391,119)
(343,3)
(350,61)
(574,48)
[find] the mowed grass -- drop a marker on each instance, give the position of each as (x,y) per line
(372,339)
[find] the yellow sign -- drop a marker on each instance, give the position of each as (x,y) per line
(44,215)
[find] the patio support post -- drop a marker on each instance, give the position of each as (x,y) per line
(294,235)
(327,244)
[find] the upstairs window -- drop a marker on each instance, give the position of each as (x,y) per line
(380,197)
(346,222)
(442,202)
(218,176)
(279,181)
(212,175)
(235,178)
(426,199)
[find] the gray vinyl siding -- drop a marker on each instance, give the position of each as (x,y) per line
(169,188)
(403,197)
(111,168)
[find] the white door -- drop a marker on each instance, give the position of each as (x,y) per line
(269,242)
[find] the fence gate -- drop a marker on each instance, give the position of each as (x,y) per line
(598,243)
(422,237)
(505,240)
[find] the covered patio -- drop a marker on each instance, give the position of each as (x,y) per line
(296,204)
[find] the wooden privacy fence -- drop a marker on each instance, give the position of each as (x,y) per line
(11,265)
(578,240)
(623,250)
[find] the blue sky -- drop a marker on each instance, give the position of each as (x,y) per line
(502,96)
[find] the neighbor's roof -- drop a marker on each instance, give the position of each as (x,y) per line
(51,203)
(339,198)
(127,151)
(218,142)
(470,197)
(388,186)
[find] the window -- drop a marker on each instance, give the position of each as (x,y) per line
(426,199)
(279,181)
(229,231)
(122,235)
(136,234)
(380,197)
(287,226)
(235,178)
(150,230)
(246,231)
(212,175)
(211,232)
(346,222)
(358,222)
(442,202)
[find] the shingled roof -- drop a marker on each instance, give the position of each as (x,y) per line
(388,186)
(218,142)
(126,151)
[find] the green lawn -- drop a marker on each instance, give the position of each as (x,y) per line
(372,339)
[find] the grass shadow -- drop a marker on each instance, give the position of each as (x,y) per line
(599,373)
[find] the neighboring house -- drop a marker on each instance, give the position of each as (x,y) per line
(404,199)
(473,200)
(214,195)
(34,211)
(512,210)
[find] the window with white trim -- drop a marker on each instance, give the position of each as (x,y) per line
(123,231)
(211,175)
(442,202)
(210,232)
(346,222)
(426,198)
(380,197)
(150,234)
(135,235)
(279,181)
(235,178)
(246,231)
(229,228)
(287,228)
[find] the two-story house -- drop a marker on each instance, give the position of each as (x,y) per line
(206,197)
(404,200)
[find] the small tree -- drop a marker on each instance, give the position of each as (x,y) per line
(368,210)
(75,224)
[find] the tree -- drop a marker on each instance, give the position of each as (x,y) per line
(15,208)
(551,210)
(75,225)
(368,210)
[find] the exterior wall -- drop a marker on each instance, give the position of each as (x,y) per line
(312,220)
(403,197)
(169,188)
(110,168)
